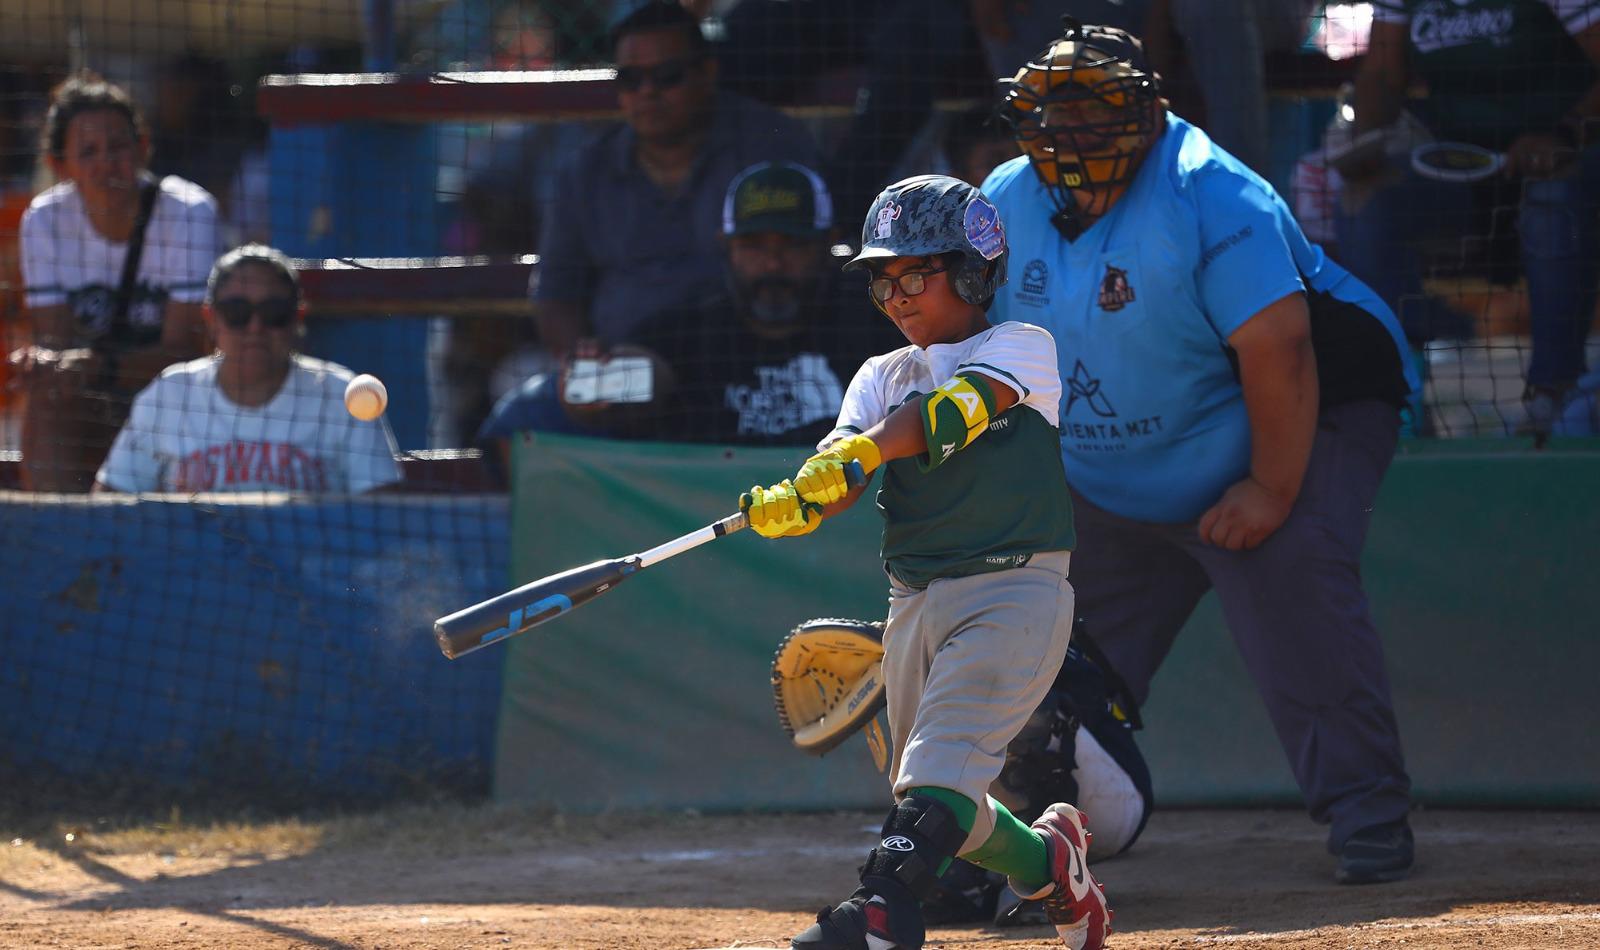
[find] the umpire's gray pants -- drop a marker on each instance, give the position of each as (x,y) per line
(966,661)
(1296,609)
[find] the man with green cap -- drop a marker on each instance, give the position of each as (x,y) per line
(761,362)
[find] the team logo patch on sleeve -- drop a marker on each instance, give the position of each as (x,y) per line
(984,231)
(886,218)
(1115,291)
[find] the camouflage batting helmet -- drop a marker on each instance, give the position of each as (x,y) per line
(931,215)
(1082,112)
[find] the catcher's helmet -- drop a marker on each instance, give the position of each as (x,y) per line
(936,214)
(1082,112)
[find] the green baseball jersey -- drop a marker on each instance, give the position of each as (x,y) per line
(1495,68)
(993,504)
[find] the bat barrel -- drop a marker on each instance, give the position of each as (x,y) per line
(545,599)
(527,606)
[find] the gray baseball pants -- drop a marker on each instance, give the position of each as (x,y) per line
(966,661)
(1295,607)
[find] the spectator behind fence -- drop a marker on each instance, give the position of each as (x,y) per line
(1226,43)
(510,166)
(1516,76)
(906,52)
(763,361)
(255,415)
(975,143)
(510,175)
(114,262)
(634,227)
(197,122)
(1231,402)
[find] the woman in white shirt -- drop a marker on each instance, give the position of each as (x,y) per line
(255,415)
(98,337)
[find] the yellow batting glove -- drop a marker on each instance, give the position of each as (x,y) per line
(778,512)
(822,480)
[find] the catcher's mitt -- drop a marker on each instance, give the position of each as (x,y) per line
(827,682)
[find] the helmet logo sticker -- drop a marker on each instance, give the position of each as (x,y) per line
(1115,291)
(886,217)
(984,231)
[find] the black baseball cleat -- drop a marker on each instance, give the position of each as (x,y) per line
(866,921)
(1377,855)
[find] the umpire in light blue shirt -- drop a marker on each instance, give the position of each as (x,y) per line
(1231,401)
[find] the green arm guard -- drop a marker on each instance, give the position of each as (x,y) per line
(955,414)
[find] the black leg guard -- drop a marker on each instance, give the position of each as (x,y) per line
(919,835)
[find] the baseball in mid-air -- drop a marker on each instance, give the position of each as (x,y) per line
(366,397)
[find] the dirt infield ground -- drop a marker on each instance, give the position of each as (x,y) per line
(454,877)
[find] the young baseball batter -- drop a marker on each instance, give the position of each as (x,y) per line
(976,541)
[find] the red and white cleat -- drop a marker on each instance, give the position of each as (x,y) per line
(1073,900)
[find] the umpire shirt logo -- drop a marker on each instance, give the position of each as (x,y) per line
(1082,387)
(899,843)
(1115,291)
(1035,277)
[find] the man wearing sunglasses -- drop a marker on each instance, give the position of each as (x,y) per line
(635,225)
(255,415)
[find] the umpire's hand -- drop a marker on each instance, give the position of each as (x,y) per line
(1245,516)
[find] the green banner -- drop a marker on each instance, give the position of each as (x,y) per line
(658,693)
(1480,566)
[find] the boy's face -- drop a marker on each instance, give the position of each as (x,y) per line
(934,315)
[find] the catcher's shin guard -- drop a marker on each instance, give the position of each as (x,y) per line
(919,835)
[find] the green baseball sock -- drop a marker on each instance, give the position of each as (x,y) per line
(1014,850)
(1011,849)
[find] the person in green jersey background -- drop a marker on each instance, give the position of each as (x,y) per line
(977,538)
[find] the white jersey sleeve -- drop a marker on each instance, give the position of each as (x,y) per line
(193,242)
(1022,357)
(370,462)
(360,455)
(41,278)
(135,463)
(864,404)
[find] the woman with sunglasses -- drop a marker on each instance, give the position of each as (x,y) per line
(114,262)
(255,415)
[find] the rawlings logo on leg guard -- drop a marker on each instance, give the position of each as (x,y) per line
(899,843)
